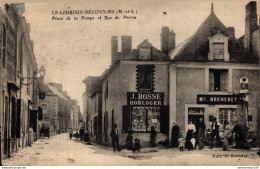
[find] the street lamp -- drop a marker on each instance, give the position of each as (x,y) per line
(42,71)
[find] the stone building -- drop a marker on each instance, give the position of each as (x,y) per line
(210,74)
(139,99)
(55,106)
(18,80)
(93,108)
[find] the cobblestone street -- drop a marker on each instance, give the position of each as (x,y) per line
(59,150)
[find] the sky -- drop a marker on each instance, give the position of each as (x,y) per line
(71,50)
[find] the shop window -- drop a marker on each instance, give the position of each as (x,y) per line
(145,77)
(227,114)
(218,80)
(139,123)
(195,113)
(218,51)
(141,119)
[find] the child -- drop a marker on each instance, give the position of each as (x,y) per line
(137,145)
(181,142)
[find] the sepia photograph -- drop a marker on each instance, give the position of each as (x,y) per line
(129,83)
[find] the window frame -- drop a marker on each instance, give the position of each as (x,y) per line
(222,73)
(146,119)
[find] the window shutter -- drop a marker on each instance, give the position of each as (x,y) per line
(40,113)
(223,81)
(18,124)
(211,81)
(126,118)
(164,117)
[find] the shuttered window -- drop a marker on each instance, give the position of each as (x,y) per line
(164,116)
(218,51)
(126,118)
(18,124)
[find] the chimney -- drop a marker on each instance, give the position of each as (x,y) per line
(126,45)
(171,41)
(231,31)
(164,39)
(114,49)
(251,23)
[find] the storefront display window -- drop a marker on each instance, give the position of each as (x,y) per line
(154,119)
(227,115)
(144,119)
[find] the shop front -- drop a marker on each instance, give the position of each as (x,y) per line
(223,107)
(144,110)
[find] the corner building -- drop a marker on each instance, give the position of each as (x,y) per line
(135,92)
(213,75)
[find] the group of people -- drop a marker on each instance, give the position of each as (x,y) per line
(196,134)
(80,134)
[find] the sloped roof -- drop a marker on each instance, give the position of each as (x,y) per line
(57,92)
(196,48)
(45,88)
(155,53)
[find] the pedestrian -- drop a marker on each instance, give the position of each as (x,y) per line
(153,136)
(226,136)
(175,135)
(129,139)
(115,139)
(137,146)
(239,137)
(214,126)
(181,141)
(191,129)
(30,136)
(201,133)
(70,132)
(81,131)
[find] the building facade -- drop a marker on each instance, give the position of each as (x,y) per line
(211,74)
(18,80)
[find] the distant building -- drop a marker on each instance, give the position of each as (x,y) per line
(56,107)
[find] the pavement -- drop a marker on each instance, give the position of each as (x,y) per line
(59,150)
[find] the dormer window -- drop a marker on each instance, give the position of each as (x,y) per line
(218,51)
(218,48)
(145,50)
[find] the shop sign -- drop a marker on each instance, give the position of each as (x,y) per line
(144,99)
(218,99)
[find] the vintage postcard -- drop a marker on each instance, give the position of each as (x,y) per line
(129,83)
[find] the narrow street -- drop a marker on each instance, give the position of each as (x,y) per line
(60,151)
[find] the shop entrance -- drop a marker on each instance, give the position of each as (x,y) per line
(195,118)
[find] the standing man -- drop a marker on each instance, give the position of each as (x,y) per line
(115,138)
(81,132)
(175,135)
(215,131)
(153,136)
(70,132)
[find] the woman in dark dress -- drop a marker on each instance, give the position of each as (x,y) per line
(201,133)
(129,139)
(175,135)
